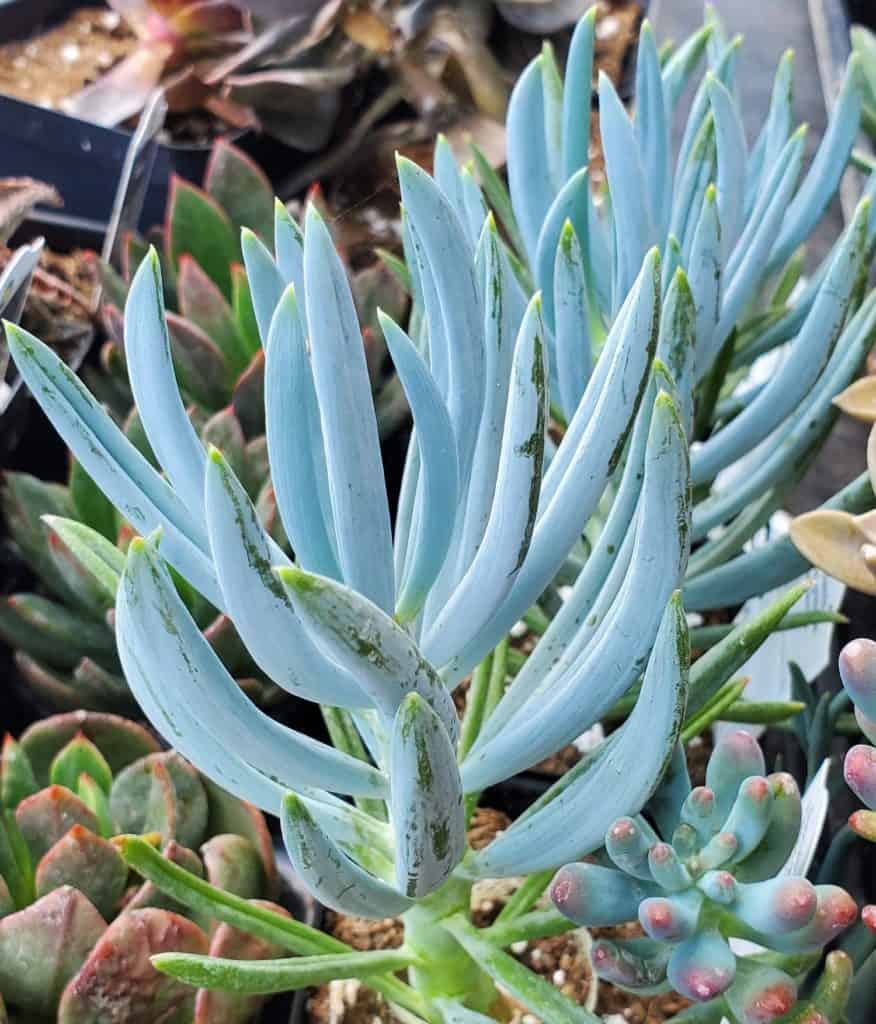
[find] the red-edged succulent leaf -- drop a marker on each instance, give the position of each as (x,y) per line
(117,981)
(43,946)
(248,397)
(244,312)
(233,944)
(269,515)
(242,189)
(201,302)
(232,863)
(148,895)
(88,863)
(227,814)
(49,684)
(198,226)
(99,688)
(120,740)
(161,793)
(80,756)
(17,779)
(200,366)
(223,431)
(48,815)
(90,595)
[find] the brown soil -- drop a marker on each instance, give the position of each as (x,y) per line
(47,69)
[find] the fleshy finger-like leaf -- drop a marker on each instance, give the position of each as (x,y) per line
(111,460)
(256,601)
(576,96)
(297,454)
(265,281)
(515,502)
(439,472)
(360,637)
(161,647)
(329,873)
(427,808)
(631,764)
(352,446)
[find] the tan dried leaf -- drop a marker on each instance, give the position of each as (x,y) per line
(834,541)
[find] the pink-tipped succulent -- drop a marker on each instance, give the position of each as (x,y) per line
(857,666)
(70,911)
(714,875)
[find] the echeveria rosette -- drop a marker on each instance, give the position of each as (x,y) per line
(708,871)
(857,666)
(76,927)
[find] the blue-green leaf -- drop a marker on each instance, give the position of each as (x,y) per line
(427,808)
(352,445)
(266,283)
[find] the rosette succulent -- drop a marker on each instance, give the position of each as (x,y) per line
(381,624)
(76,927)
(707,868)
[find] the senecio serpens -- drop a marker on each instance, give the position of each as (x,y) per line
(634,310)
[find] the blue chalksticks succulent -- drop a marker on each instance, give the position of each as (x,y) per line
(701,867)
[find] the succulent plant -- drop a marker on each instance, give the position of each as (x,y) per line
(857,665)
(379,627)
(75,933)
(864,45)
(64,643)
(706,868)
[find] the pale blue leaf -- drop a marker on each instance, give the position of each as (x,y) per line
(349,426)
(529,179)
(447,176)
(583,684)
(800,431)
(586,457)
(295,445)
(329,873)
(160,641)
(255,600)
(150,370)
(572,337)
(571,204)
(577,91)
(652,130)
(774,133)
(552,93)
(114,464)
(361,638)
(438,470)
(634,231)
(266,283)
(826,170)
(474,206)
(504,306)
(618,777)
(798,373)
(427,809)
(289,248)
(705,281)
(732,151)
(682,64)
(515,502)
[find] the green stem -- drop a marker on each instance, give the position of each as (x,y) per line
(345,736)
(726,697)
(753,712)
(498,677)
(536,620)
(525,897)
(538,924)
(267,977)
(200,896)
(474,708)
(704,637)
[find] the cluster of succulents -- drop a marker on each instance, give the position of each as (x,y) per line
(857,665)
(77,928)
(634,321)
(701,867)
(62,636)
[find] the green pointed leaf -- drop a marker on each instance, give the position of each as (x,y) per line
(197,226)
(79,757)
